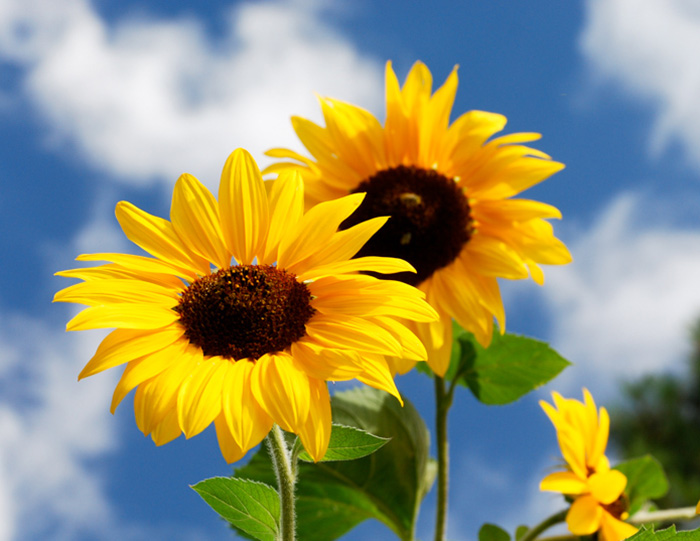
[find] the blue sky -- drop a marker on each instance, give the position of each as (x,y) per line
(103,101)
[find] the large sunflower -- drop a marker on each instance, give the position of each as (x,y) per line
(447,188)
(249,342)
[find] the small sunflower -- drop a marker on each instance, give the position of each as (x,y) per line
(448,190)
(598,492)
(249,341)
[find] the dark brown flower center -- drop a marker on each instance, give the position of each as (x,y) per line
(619,507)
(430,219)
(245,311)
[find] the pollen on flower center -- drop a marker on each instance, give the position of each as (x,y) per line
(245,311)
(430,219)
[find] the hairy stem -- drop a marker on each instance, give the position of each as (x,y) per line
(286,478)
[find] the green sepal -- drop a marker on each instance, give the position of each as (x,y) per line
(249,506)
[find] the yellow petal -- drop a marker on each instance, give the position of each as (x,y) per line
(147,367)
(124,345)
(345,244)
(158,238)
(230,450)
(492,257)
(325,363)
(584,516)
(437,337)
(356,135)
(282,390)
(368,305)
(315,433)
(127,316)
(315,229)
(397,138)
(600,440)
(417,88)
(286,209)
(564,482)
(247,423)
(378,374)
(381,265)
(606,487)
(167,430)
(243,207)
(436,117)
(109,291)
(352,333)
(195,216)
(159,394)
(200,395)
(613,529)
(137,263)
(458,300)
(413,348)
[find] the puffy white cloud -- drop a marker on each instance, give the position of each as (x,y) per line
(649,48)
(50,425)
(149,99)
(626,304)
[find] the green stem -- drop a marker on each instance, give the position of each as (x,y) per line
(286,478)
(643,517)
(443,401)
(547,523)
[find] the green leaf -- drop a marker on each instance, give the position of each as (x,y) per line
(648,534)
(521,531)
(509,368)
(348,443)
(491,532)
(646,480)
(250,506)
(388,485)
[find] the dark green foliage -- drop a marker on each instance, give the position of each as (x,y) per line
(387,485)
(661,417)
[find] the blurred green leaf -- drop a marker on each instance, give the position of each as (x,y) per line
(646,480)
(388,485)
(509,368)
(249,506)
(521,531)
(348,443)
(491,532)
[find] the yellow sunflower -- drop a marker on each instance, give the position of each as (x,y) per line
(248,342)
(447,188)
(599,504)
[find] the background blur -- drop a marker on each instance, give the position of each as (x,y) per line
(102,101)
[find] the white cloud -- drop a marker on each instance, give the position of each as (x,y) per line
(149,99)
(50,425)
(649,47)
(626,304)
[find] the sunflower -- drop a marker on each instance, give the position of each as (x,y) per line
(447,188)
(599,504)
(249,341)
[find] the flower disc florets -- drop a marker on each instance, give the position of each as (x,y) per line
(430,218)
(245,311)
